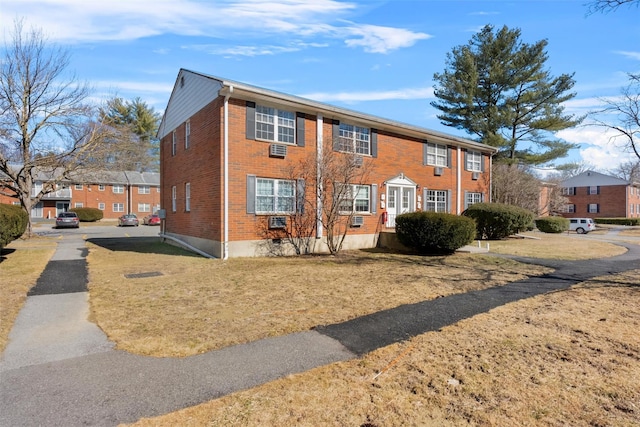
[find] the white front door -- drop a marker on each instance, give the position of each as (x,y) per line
(400,199)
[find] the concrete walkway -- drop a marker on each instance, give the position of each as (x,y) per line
(60,370)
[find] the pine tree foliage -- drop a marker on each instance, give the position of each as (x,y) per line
(498,89)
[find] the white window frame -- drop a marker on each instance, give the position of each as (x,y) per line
(118,189)
(101,206)
(436,201)
(78,186)
(275,125)
(101,187)
(173,198)
(437,154)
(118,207)
(570,208)
(144,207)
(174,143)
(144,189)
(357,200)
(593,190)
(78,205)
(187,134)
(474,161)
(568,191)
(187,197)
(282,196)
(592,208)
(473,198)
(354,139)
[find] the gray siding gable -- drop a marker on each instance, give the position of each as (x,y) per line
(191,93)
(592,179)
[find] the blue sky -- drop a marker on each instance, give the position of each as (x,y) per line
(373,56)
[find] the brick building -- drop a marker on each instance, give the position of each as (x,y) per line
(595,195)
(115,193)
(226,148)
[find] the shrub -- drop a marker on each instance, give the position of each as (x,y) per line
(431,232)
(88,214)
(617,221)
(497,220)
(552,224)
(13,223)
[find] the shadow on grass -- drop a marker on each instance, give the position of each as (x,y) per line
(145,245)
(4,252)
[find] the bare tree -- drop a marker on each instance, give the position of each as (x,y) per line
(629,171)
(625,114)
(45,124)
(606,6)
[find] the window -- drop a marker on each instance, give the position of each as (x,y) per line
(78,186)
(101,206)
(275,125)
(157,189)
(357,199)
(144,189)
(474,161)
(187,197)
(118,207)
(78,205)
(275,196)
(631,208)
(593,190)
(570,208)
(436,154)
(100,187)
(187,134)
(473,198)
(173,198)
(354,139)
(144,207)
(173,143)
(118,188)
(436,201)
(569,191)
(593,208)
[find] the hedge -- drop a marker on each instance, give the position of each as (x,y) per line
(552,224)
(434,233)
(88,214)
(497,220)
(13,223)
(617,221)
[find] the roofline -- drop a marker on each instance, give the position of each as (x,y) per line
(238,89)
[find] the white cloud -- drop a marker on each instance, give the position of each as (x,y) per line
(415,93)
(630,55)
(598,147)
(76,21)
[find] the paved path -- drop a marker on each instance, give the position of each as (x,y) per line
(59,369)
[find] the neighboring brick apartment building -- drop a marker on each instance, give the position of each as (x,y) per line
(114,193)
(226,148)
(595,195)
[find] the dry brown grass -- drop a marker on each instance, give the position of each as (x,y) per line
(555,246)
(634,232)
(21,263)
(198,305)
(565,358)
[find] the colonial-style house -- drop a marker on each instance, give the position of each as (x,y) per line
(595,195)
(114,193)
(227,148)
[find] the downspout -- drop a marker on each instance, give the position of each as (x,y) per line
(319,152)
(225,166)
(490,177)
(459,180)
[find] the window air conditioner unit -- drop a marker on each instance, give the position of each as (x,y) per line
(357,161)
(437,171)
(277,150)
(277,221)
(475,176)
(357,221)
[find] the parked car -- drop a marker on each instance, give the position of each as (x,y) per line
(128,219)
(67,219)
(581,225)
(151,220)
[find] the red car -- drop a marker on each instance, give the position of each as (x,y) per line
(151,220)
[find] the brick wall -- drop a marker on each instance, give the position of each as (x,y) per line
(611,201)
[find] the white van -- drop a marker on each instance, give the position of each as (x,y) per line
(581,225)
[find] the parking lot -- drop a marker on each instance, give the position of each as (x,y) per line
(90,230)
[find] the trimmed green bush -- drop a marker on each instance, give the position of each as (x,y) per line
(88,214)
(496,221)
(617,221)
(552,224)
(434,233)
(13,223)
